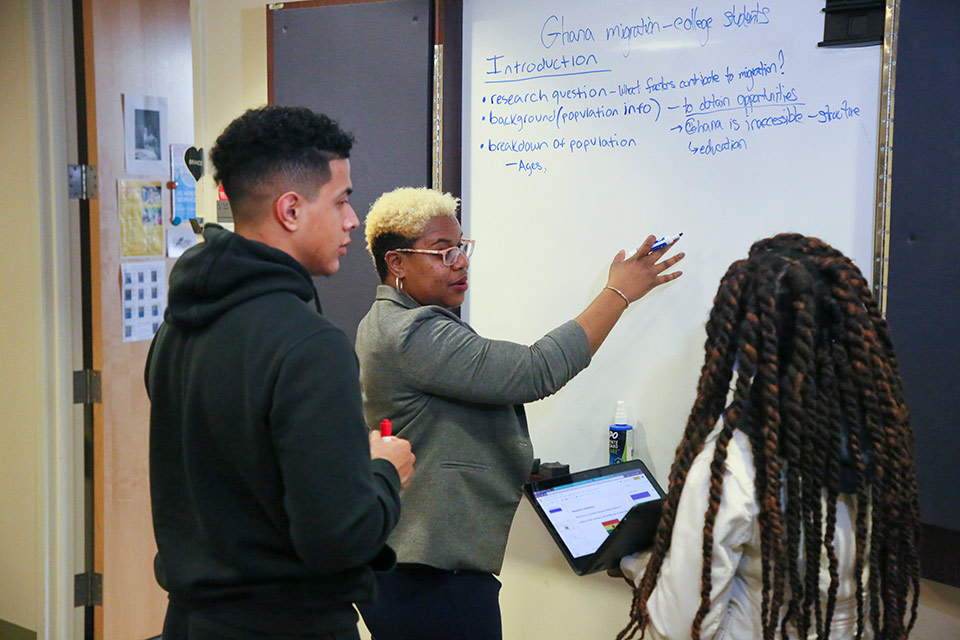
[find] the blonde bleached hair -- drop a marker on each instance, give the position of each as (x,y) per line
(406,211)
(397,220)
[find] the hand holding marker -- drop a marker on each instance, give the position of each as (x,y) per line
(394,450)
(665,242)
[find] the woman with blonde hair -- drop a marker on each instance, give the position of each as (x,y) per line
(458,398)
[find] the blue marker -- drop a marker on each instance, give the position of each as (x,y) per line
(663,242)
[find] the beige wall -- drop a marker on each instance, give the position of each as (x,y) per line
(230,73)
(21,306)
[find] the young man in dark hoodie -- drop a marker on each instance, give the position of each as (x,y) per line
(271,502)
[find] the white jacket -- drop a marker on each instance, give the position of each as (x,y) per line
(736,573)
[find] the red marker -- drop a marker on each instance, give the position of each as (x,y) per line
(386,429)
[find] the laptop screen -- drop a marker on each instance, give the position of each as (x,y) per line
(584,513)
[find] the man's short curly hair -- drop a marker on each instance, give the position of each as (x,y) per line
(271,142)
(397,219)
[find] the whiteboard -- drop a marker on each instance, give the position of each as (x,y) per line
(589,125)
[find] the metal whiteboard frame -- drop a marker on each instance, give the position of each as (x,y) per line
(437,164)
(881,224)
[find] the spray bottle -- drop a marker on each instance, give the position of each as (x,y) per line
(621,435)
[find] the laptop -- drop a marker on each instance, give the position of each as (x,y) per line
(599,515)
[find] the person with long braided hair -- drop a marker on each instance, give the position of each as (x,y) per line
(792,507)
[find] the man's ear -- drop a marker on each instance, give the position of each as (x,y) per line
(286,210)
(395,264)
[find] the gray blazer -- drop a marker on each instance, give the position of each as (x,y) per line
(457,398)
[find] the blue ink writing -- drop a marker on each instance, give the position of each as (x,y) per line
(749,101)
(790,116)
(662,84)
(746,17)
(627,32)
(516,146)
(701,79)
(579,93)
(642,108)
(711,149)
(543,64)
(714,103)
(629,89)
(574,116)
(511,99)
(518,120)
(589,144)
(694,126)
(549,35)
(695,23)
(530,167)
(761,70)
(843,112)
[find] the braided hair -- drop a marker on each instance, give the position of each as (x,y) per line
(818,392)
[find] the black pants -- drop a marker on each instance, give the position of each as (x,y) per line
(416,602)
(181,624)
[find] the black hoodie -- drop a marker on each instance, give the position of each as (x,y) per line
(268,512)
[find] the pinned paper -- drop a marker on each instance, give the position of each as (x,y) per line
(179,239)
(141,217)
(143,298)
(145,134)
(186,167)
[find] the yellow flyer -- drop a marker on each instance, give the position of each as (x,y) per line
(141,217)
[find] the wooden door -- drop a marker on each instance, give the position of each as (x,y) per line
(138,47)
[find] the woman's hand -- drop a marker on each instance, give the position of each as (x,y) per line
(631,568)
(637,275)
(630,279)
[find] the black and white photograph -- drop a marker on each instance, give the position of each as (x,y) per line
(146,150)
(147,135)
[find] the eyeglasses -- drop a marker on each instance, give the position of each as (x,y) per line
(451,254)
